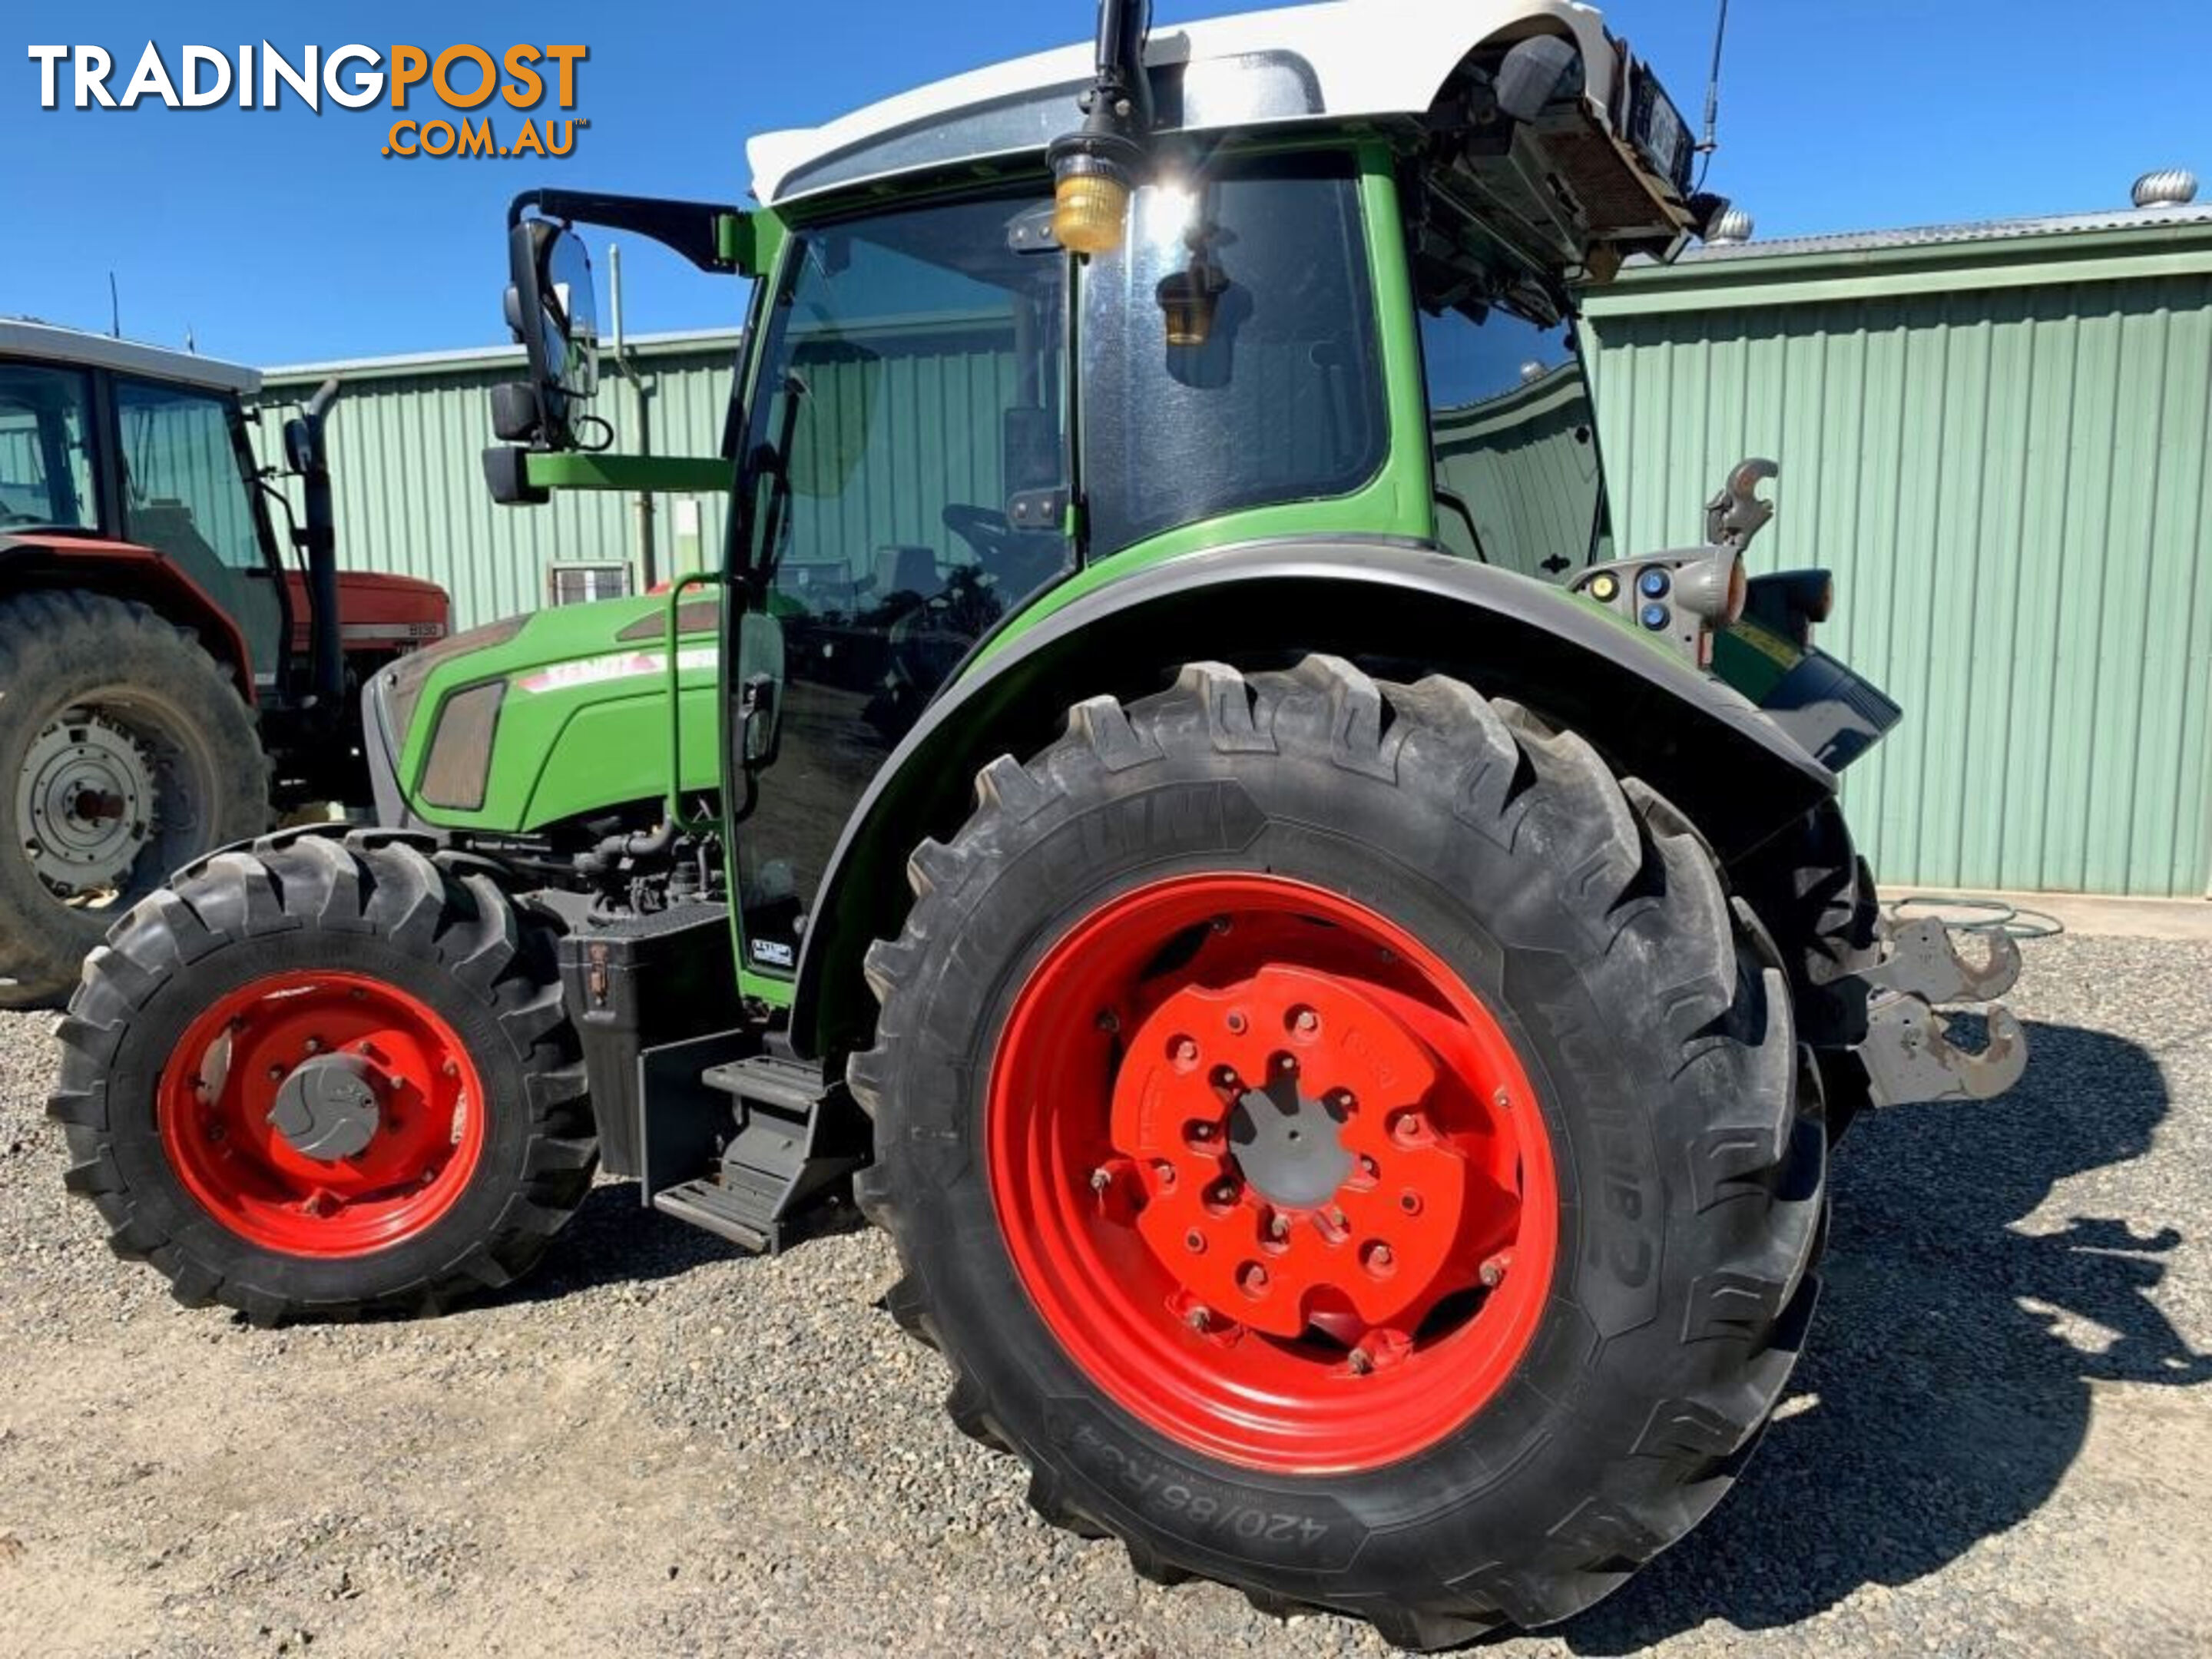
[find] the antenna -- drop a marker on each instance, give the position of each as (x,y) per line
(1711,142)
(114,309)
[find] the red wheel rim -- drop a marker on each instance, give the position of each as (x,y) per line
(1273,1176)
(219,1099)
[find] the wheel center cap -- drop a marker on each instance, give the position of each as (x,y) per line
(326,1109)
(1288,1145)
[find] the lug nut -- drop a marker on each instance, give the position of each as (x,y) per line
(1198,1319)
(1184,1051)
(1201,1131)
(1378,1258)
(1286,1064)
(1279,1226)
(314,1045)
(1165,1171)
(1100,1179)
(451,1068)
(1304,1022)
(1223,1193)
(1361,1364)
(276,1074)
(1502,1101)
(1252,1278)
(1492,1272)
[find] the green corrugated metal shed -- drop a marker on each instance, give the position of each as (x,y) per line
(1996,436)
(410,496)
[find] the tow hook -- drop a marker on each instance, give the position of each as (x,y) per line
(1920,960)
(1908,1055)
(1908,1052)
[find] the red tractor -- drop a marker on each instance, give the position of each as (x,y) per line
(169,680)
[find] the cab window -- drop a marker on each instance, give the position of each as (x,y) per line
(45,454)
(1515,442)
(183,493)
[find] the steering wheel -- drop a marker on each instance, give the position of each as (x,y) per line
(985,529)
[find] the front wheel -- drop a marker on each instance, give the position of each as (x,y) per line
(326,1078)
(1348,1144)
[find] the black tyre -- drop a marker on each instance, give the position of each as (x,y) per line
(326,1078)
(125,752)
(1101,1204)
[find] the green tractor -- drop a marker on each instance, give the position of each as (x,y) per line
(1339,983)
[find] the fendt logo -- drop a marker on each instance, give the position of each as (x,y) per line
(351,78)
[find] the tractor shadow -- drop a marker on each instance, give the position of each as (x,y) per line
(1948,1402)
(614,1240)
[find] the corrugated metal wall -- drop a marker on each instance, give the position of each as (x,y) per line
(410,496)
(2010,483)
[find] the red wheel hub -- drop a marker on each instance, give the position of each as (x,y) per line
(322,1114)
(1273,1176)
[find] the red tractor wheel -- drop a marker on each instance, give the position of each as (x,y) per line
(323,1114)
(1347,1142)
(1307,1142)
(326,1078)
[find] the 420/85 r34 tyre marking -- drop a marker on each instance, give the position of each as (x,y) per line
(1287,1198)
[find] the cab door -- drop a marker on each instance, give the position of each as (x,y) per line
(904,489)
(186,493)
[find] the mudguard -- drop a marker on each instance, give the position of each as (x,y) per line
(1404,610)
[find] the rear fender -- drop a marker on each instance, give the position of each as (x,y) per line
(125,570)
(1403,611)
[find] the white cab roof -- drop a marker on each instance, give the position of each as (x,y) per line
(1349,60)
(20,338)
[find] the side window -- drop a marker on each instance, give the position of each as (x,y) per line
(45,455)
(183,493)
(1229,352)
(1517,479)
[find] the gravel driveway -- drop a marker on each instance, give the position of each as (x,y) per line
(2001,1438)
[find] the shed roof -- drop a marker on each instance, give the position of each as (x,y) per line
(469,359)
(2025,252)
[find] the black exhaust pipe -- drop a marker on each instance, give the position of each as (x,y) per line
(310,459)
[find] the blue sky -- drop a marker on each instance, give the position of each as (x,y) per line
(282,236)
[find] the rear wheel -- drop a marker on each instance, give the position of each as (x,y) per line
(1347,1143)
(326,1078)
(125,752)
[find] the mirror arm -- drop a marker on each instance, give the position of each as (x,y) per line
(693,229)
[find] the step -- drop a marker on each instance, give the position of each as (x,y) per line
(745,1215)
(789,1086)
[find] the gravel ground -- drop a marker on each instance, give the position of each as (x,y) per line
(2000,1439)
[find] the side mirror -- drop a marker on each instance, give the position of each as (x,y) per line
(760,698)
(552,308)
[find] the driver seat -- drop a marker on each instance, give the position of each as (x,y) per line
(907,570)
